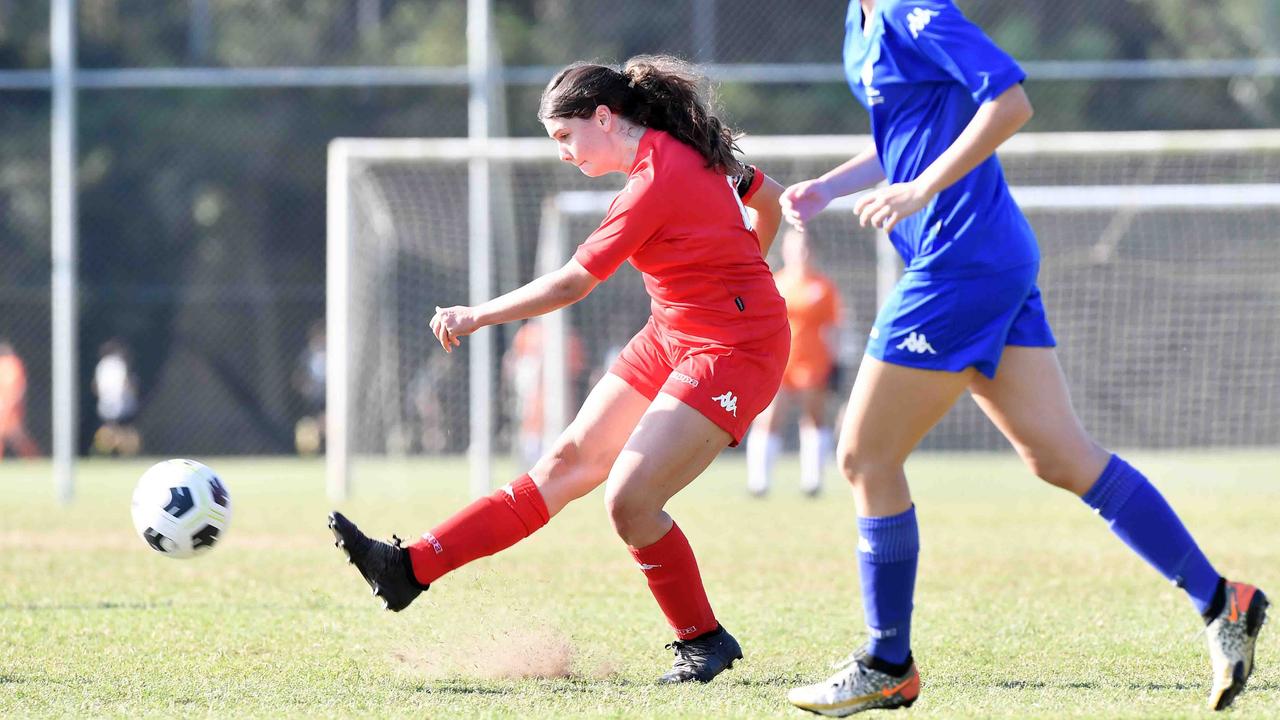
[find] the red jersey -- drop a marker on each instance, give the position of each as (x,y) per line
(682,225)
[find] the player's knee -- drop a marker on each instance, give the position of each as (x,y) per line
(1071,471)
(568,457)
(629,512)
(863,469)
(570,470)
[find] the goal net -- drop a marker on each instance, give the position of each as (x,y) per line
(1160,272)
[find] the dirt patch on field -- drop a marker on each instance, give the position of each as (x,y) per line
(512,654)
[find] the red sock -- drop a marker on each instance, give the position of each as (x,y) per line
(673,577)
(484,527)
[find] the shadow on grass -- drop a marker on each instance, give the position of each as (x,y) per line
(1154,687)
(577,684)
(10,679)
(461,687)
(1042,685)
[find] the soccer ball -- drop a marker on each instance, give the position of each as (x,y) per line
(181,508)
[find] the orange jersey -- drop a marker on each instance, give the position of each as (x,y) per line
(13,388)
(813,308)
(526,355)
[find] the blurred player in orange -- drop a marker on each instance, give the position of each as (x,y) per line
(696,223)
(813,309)
(523,366)
(13,403)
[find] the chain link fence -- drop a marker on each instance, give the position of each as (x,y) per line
(201,209)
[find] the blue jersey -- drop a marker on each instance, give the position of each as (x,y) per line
(922,70)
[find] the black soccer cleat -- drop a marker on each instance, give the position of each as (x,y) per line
(702,658)
(384,565)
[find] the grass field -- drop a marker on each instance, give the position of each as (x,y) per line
(1026,605)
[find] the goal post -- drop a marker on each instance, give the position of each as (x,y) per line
(1161,275)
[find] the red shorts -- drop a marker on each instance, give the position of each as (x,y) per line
(729,385)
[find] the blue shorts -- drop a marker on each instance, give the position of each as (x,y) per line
(952,324)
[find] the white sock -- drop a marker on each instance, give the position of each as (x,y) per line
(813,454)
(762,451)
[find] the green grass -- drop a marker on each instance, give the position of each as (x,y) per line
(1026,604)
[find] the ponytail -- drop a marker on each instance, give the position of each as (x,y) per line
(654,91)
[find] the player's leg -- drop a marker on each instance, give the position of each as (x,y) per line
(671,446)
(1028,400)
(764,444)
(891,408)
(578,462)
(706,405)
(815,437)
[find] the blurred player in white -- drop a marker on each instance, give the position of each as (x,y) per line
(117,389)
(309,382)
(813,310)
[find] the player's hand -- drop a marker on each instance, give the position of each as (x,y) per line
(887,206)
(802,201)
(451,323)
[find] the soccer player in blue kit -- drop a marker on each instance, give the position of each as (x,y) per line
(967,315)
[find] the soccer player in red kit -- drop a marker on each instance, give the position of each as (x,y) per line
(696,223)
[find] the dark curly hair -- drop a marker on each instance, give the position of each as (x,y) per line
(655,91)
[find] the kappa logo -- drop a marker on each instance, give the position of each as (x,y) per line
(728,401)
(877,633)
(435,544)
(917,343)
(681,377)
(918,19)
(868,77)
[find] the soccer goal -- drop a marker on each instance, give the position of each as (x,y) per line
(1161,275)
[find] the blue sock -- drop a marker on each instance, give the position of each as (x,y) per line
(1139,515)
(888,551)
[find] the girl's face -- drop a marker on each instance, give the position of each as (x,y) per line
(592,144)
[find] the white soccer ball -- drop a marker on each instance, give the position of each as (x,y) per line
(181,508)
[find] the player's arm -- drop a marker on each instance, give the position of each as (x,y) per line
(761,201)
(804,200)
(994,122)
(552,291)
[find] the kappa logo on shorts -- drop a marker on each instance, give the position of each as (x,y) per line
(684,379)
(728,401)
(917,343)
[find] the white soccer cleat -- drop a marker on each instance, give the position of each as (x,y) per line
(858,687)
(1232,635)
